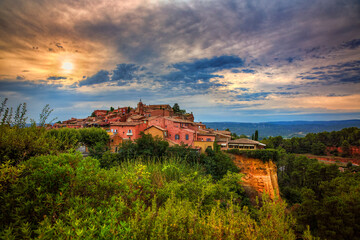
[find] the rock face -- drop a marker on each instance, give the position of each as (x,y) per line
(259,177)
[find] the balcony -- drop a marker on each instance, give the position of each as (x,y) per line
(129,134)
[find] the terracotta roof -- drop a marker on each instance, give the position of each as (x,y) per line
(159,106)
(137,117)
(189,130)
(245,141)
(222,140)
(178,120)
(125,123)
(160,128)
(151,118)
(223,132)
(222,135)
(204,133)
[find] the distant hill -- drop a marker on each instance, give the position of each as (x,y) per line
(284,129)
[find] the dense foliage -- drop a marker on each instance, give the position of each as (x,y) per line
(317,143)
(19,144)
(216,163)
(68,196)
(323,198)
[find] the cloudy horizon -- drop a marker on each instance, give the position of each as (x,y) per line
(244,61)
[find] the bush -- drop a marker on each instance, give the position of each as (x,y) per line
(217,164)
(19,144)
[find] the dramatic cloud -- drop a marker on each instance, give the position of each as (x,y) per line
(100,77)
(225,60)
(56,78)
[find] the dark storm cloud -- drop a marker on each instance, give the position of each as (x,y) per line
(243,71)
(100,77)
(210,65)
(352,44)
(124,73)
(199,74)
(56,78)
(341,73)
(246,97)
(252,96)
(56,95)
(30,88)
(152,33)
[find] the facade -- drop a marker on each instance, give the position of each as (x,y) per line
(122,110)
(128,130)
(245,144)
(156,131)
(125,124)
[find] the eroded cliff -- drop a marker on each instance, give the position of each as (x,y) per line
(260,176)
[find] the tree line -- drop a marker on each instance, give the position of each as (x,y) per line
(317,143)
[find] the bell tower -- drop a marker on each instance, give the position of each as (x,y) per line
(140,108)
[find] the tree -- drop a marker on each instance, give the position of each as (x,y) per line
(3,105)
(20,119)
(111,109)
(318,148)
(345,147)
(44,115)
(256,137)
(176,108)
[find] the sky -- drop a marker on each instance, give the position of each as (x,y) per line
(223,60)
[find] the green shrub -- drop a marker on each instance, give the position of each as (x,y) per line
(217,164)
(19,144)
(67,138)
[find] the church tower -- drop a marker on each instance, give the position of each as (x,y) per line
(140,108)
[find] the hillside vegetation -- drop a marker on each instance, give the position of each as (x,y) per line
(48,194)
(149,190)
(317,143)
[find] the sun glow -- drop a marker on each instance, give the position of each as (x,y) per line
(68,66)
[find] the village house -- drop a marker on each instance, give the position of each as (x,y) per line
(245,144)
(124,123)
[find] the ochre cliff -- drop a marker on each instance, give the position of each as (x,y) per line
(259,176)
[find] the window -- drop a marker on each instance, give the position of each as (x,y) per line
(129,131)
(208,139)
(187,136)
(177,137)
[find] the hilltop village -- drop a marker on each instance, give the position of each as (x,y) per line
(170,124)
